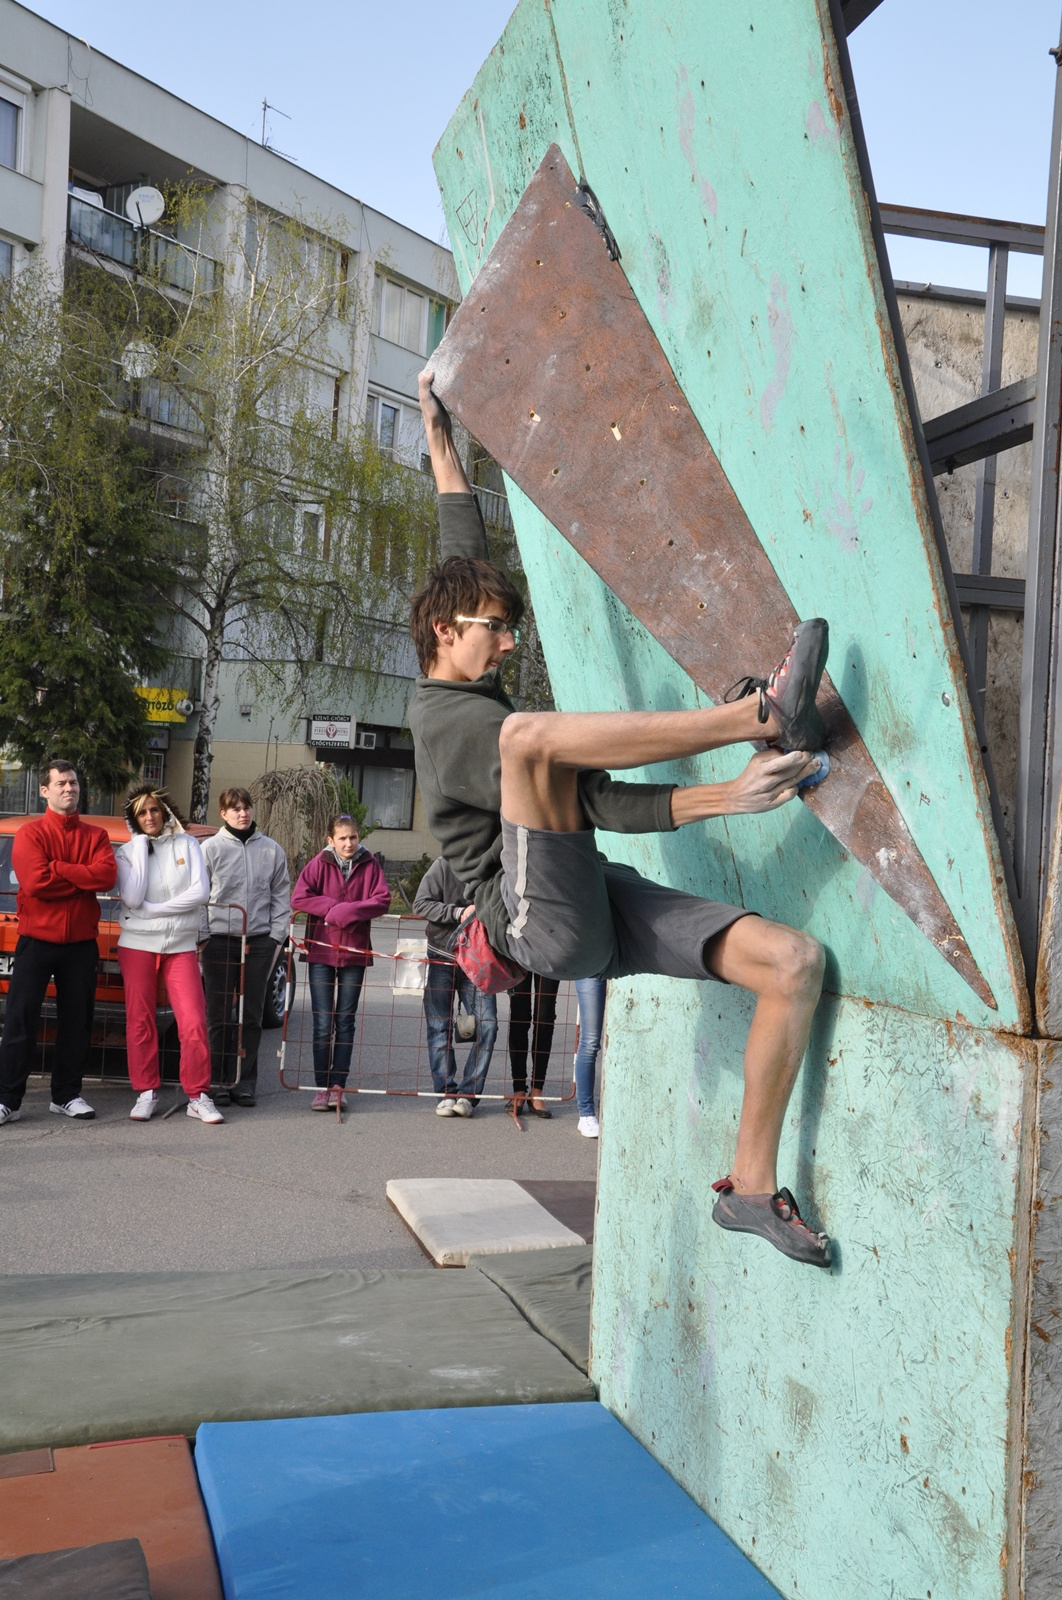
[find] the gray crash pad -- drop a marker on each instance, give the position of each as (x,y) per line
(115,1571)
(552,1290)
(127,1355)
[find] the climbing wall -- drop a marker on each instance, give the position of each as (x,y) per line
(862,1431)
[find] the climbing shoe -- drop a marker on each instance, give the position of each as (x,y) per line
(788,693)
(775,1217)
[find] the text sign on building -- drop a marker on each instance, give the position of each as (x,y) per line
(334,732)
(166,705)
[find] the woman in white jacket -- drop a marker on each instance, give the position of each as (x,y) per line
(163,882)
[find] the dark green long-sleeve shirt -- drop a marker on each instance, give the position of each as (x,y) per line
(455,729)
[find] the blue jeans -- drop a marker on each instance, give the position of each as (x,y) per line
(334,995)
(590,993)
(444,981)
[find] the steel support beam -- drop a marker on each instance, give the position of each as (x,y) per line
(997,594)
(985,494)
(1037,778)
(857,11)
(996,421)
(953,228)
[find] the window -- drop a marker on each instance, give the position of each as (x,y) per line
(387,793)
(344,280)
(155,768)
(311,533)
(401,315)
(437,320)
(387,431)
(6,259)
(9,113)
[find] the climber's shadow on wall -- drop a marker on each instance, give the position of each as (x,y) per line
(808,1101)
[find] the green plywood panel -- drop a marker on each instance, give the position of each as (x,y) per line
(745,238)
(848,1430)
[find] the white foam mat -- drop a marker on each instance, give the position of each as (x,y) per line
(457,1217)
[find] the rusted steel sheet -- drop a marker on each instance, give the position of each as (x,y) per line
(551,364)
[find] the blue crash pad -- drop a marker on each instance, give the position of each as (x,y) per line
(533,1502)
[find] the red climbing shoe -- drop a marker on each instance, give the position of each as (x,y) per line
(775,1217)
(789,691)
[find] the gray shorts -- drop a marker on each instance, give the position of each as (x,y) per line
(575,915)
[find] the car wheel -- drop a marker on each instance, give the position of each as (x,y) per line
(273,1013)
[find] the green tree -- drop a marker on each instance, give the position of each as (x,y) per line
(82,550)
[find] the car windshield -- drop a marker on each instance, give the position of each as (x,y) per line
(9,885)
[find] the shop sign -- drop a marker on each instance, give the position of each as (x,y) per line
(166,705)
(336,733)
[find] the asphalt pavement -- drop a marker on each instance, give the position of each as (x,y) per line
(276,1186)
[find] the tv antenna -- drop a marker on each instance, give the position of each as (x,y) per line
(266,108)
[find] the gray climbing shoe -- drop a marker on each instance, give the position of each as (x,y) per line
(789,691)
(775,1217)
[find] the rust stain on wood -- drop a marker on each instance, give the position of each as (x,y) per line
(552,365)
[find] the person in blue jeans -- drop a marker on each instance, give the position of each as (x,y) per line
(590,993)
(340,890)
(442,900)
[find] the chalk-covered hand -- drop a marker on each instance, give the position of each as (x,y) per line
(769,781)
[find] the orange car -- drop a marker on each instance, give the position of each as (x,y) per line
(108,1028)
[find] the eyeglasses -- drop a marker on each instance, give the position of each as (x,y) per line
(494,625)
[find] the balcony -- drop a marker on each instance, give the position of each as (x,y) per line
(163,404)
(495,509)
(167,261)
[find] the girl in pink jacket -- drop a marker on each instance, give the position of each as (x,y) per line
(341,890)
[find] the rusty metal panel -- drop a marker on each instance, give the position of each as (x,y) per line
(552,365)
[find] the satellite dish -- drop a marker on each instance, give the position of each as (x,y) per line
(145,205)
(139,360)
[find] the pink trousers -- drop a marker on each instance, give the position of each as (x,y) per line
(140,970)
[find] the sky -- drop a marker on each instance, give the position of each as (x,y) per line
(956,96)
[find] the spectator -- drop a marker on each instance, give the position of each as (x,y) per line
(247,870)
(443,901)
(341,890)
(162,879)
(61,864)
(590,993)
(533,1001)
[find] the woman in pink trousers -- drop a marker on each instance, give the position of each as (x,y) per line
(163,882)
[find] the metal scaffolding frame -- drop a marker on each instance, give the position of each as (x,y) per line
(1000,419)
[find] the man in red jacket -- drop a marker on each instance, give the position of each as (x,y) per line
(61,864)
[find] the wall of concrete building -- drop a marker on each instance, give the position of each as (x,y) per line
(945,340)
(87,111)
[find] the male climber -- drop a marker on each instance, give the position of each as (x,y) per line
(514,798)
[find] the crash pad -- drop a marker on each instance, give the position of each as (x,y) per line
(135,1489)
(126,1355)
(551,1288)
(111,1571)
(454,1217)
(519,1502)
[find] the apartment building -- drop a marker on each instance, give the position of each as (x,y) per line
(79,135)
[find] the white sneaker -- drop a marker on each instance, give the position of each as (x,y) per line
(463,1108)
(446,1108)
(203,1107)
(589,1127)
(74,1108)
(146,1106)
(7,1115)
